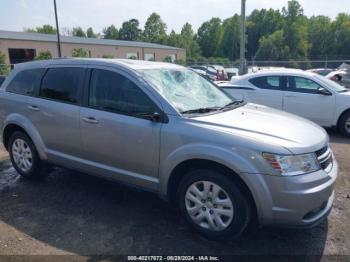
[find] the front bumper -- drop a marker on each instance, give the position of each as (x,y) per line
(299,201)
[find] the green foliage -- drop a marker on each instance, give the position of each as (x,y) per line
(45,29)
(155,29)
(108,56)
(79,32)
(130,30)
(285,34)
(111,32)
(272,47)
(80,52)
(44,55)
(4,69)
(90,33)
(168,59)
(208,36)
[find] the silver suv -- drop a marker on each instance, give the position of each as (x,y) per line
(166,129)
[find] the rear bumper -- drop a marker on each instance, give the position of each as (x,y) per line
(300,201)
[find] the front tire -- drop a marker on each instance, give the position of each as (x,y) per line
(213,204)
(344,124)
(24,156)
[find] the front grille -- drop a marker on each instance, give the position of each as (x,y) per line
(321,151)
(325,158)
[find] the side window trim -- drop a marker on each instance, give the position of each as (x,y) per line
(280,87)
(87,86)
(292,85)
(80,87)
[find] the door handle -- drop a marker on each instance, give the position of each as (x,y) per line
(34,108)
(90,120)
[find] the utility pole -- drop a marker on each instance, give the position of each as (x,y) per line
(242,67)
(57,31)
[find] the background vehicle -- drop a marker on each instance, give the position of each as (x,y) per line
(164,128)
(302,93)
(210,71)
(232,72)
(221,72)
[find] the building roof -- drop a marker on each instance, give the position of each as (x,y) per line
(129,63)
(28,36)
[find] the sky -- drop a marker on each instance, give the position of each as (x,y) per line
(15,15)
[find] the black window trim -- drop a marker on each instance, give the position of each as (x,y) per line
(80,88)
(85,103)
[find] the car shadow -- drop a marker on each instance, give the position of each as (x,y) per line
(90,216)
(336,137)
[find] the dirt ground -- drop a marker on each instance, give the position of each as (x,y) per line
(72,213)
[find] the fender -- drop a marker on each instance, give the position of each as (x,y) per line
(235,159)
(21,121)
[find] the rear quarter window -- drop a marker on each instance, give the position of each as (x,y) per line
(25,82)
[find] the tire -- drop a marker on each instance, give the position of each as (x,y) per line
(241,215)
(344,124)
(21,147)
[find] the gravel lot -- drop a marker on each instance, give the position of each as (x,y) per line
(72,213)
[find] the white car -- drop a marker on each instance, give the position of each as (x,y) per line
(299,92)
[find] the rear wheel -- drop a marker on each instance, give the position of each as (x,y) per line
(213,204)
(24,156)
(344,124)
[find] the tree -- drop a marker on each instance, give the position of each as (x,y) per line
(208,36)
(341,28)
(44,55)
(230,40)
(320,35)
(174,39)
(45,29)
(295,29)
(4,69)
(155,29)
(80,52)
(111,32)
(262,23)
(188,42)
(90,33)
(272,47)
(79,32)
(130,30)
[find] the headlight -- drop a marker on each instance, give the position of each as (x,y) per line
(293,165)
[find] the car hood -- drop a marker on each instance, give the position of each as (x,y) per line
(269,126)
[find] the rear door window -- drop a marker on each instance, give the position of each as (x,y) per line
(267,82)
(62,84)
(25,81)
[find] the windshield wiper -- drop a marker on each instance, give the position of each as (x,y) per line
(202,110)
(231,104)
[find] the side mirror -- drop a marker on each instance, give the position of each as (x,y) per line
(324,91)
(154,117)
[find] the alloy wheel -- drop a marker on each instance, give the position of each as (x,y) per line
(22,155)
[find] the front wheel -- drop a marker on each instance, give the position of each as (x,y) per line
(24,156)
(213,204)
(344,124)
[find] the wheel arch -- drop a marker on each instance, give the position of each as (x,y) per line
(183,168)
(17,122)
(341,115)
